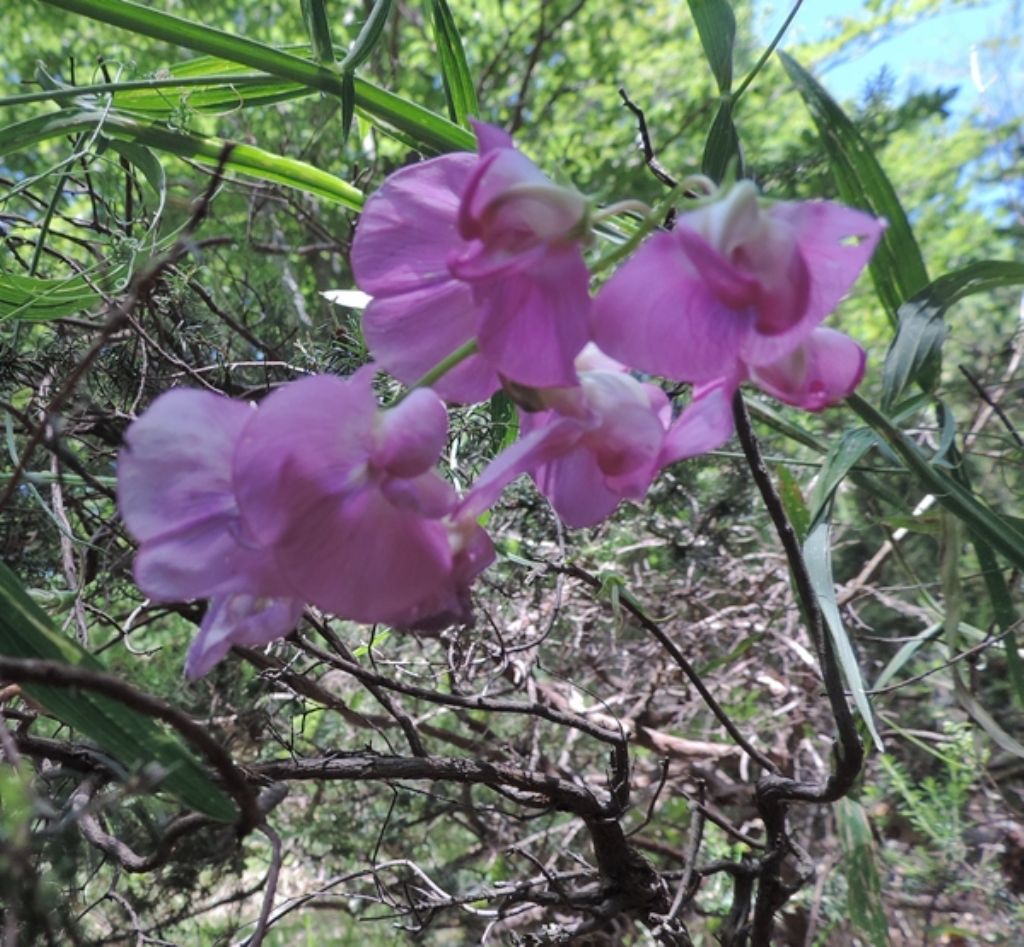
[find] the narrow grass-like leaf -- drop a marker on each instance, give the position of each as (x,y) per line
(997,531)
(458,82)
(818,556)
(368,36)
(430,130)
(897,266)
(247,160)
(504,421)
(151,168)
(907,650)
(846,452)
(131,738)
(314,12)
(916,353)
(32,299)
(716,26)
(793,502)
(953,601)
(863,887)
(722,147)
(1005,615)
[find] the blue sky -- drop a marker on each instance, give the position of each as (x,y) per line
(935,51)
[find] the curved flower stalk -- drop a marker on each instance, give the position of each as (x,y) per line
(475,247)
(587,448)
(177,497)
(316,496)
(735,293)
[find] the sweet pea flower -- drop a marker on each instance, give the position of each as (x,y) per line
(587,448)
(177,498)
(736,292)
(345,494)
(477,247)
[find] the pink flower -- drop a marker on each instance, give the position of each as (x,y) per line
(346,495)
(480,247)
(737,292)
(177,498)
(316,496)
(589,448)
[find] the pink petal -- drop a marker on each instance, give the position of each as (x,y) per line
(533,324)
(175,467)
(451,603)
(362,558)
(409,334)
(411,435)
(201,559)
(408,228)
(316,433)
(544,437)
(496,172)
(490,137)
(707,423)
(658,314)
(822,371)
(429,494)
(577,488)
(629,433)
(239,620)
(835,243)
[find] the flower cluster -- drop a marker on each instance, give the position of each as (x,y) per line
(315,496)
(318,496)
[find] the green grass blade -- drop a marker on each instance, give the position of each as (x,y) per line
(314,13)
(430,130)
(916,353)
(818,557)
(131,738)
(32,299)
(986,525)
(458,82)
(247,160)
(722,150)
(368,36)
(897,266)
(864,888)
(1005,615)
(716,26)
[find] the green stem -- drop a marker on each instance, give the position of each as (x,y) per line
(103,88)
(759,65)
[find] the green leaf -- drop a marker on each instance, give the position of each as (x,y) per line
(458,83)
(793,502)
(368,36)
(897,266)
(916,353)
(151,168)
(133,739)
(841,458)
(314,12)
(953,601)
(1005,615)
(247,160)
(997,531)
(907,650)
(722,147)
(818,557)
(430,130)
(504,421)
(716,26)
(864,889)
(31,299)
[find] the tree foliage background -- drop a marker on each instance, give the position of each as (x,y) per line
(554,774)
